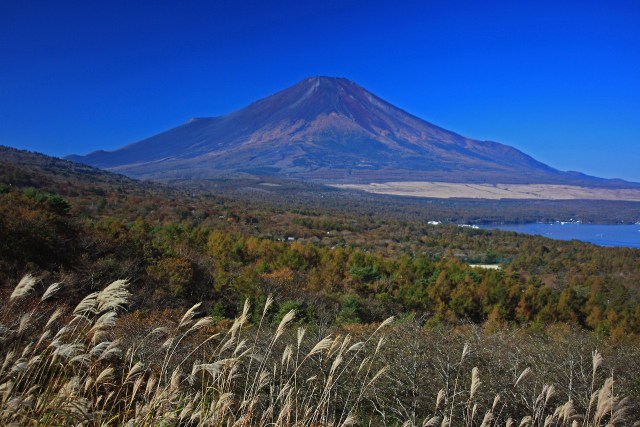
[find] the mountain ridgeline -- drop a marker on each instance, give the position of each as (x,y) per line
(328,130)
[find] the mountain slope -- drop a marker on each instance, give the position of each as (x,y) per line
(329,130)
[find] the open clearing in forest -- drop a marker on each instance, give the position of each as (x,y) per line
(448,190)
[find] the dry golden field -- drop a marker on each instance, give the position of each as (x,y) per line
(448,190)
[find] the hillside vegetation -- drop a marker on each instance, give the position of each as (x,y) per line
(84,366)
(294,278)
(83,226)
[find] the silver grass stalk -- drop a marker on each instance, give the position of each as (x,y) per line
(526,421)
(136,387)
(385,323)
(365,362)
(160,330)
(87,305)
(186,411)
(301,332)
(605,399)
(34,361)
(551,391)
(263,381)
(596,361)
(99,335)
(351,420)
(283,323)
(486,421)
(81,359)
(24,287)
(496,399)
(619,412)
(267,305)
(24,322)
(231,342)
(568,411)
(44,336)
(345,343)
(19,365)
(381,372)
(431,422)
(335,344)
(61,333)
(97,350)
(5,389)
(201,323)
(88,383)
(106,320)
(355,347)
(244,317)
(112,350)
(465,351)
(439,398)
(286,355)
(175,379)
(27,349)
(51,290)
(237,324)
(523,376)
(240,347)
(541,397)
(54,316)
(114,297)
(475,382)
(224,401)
(137,368)
(167,343)
(150,384)
(105,375)
(68,350)
(8,358)
(336,362)
(70,388)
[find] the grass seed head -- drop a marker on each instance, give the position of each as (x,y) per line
(283,323)
(51,290)
(475,382)
(523,376)
(596,361)
(24,287)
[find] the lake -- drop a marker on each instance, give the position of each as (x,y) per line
(603,235)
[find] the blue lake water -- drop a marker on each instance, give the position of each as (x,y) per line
(603,235)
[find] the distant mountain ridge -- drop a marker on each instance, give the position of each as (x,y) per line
(329,130)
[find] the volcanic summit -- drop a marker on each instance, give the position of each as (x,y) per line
(328,130)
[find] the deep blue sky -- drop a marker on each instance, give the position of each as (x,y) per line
(559,80)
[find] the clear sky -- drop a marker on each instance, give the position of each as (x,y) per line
(559,80)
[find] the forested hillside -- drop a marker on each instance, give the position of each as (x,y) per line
(550,337)
(85,227)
